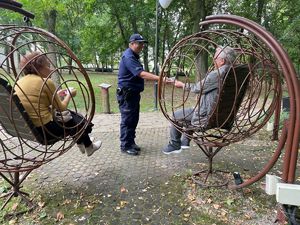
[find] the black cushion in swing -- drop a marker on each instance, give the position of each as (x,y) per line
(232,92)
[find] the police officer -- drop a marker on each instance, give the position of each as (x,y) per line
(130,84)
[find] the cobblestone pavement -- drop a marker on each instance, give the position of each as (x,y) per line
(109,165)
(107,170)
(127,190)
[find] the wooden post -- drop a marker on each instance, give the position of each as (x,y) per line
(105,97)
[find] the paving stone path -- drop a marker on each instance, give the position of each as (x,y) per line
(108,170)
(149,196)
(109,165)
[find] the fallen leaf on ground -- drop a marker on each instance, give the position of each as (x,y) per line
(42,215)
(209,201)
(247,216)
(216,206)
(123,203)
(191,197)
(88,206)
(14,206)
(67,201)
(59,216)
(229,201)
(223,213)
(41,204)
(123,189)
(12,222)
(247,190)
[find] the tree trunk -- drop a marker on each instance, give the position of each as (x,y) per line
(199,14)
(122,30)
(6,51)
(157,42)
(164,38)
(96,60)
(145,51)
(133,19)
(259,14)
(50,18)
(112,63)
(178,30)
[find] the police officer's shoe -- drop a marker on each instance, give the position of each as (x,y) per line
(136,147)
(130,151)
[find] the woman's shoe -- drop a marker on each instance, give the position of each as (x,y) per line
(93,147)
(82,147)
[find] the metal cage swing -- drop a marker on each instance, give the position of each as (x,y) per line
(23,148)
(248,94)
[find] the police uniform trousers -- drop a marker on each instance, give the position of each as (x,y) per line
(129,106)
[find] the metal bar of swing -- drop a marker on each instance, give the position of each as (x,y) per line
(16,7)
(156,56)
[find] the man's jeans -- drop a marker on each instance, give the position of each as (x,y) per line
(183,117)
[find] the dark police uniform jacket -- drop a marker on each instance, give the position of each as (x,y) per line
(129,69)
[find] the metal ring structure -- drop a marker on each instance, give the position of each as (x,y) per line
(268,66)
(16,153)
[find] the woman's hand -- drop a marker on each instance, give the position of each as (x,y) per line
(72,91)
(62,92)
(68,91)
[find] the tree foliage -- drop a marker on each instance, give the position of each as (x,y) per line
(98,30)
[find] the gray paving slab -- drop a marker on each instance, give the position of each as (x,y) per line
(149,197)
(112,167)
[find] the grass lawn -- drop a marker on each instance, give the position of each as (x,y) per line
(147,101)
(147,96)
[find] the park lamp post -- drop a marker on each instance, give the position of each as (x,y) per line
(164,4)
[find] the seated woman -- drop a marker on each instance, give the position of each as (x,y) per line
(38,96)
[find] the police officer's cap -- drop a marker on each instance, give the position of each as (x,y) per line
(137,37)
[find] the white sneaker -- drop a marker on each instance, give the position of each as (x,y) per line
(184,147)
(82,147)
(93,147)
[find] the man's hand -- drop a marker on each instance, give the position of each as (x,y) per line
(179,84)
(172,80)
(168,80)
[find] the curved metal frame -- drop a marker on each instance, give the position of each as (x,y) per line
(290,134)
(291,139)
(15,6)
(20,156)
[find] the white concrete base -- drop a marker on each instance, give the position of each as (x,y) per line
(288,194)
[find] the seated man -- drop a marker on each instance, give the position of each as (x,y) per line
(208,88)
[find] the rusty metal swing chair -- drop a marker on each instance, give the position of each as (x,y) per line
(248,95)
(23,148)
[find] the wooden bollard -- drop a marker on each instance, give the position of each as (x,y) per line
(105,97)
